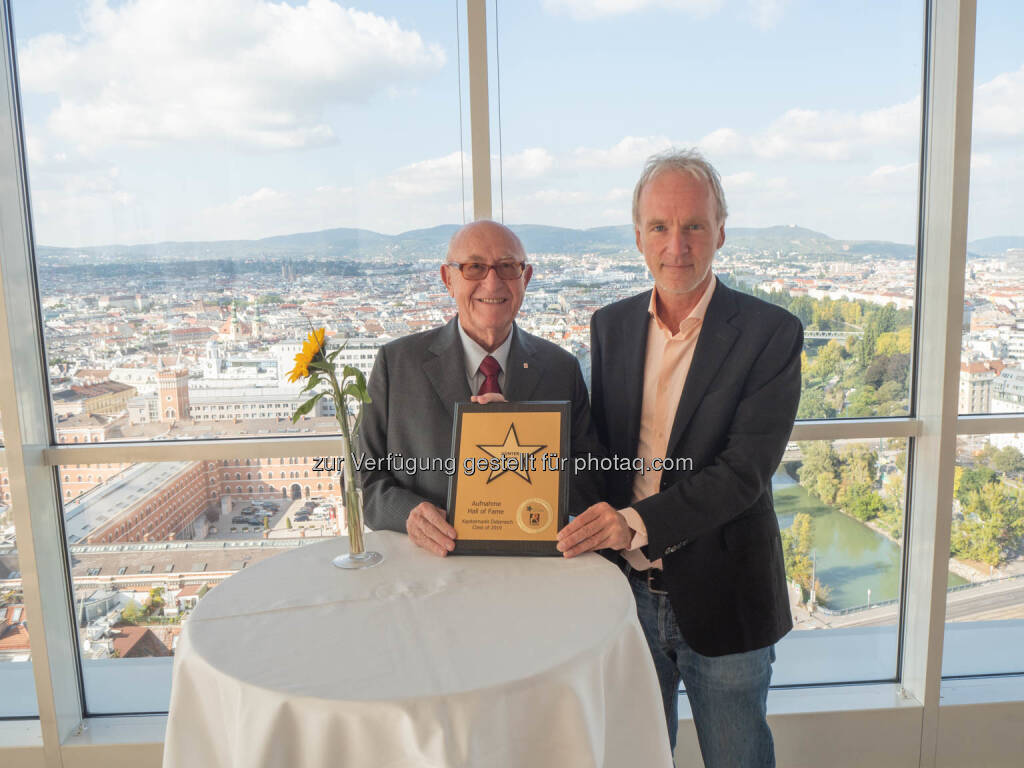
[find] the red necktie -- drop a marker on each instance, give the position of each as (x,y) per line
(489,368)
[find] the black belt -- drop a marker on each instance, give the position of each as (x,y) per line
(653,578)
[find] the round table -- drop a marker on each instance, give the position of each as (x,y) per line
(421,661)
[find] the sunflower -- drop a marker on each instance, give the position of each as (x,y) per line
(310,349)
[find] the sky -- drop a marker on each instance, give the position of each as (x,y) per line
(153,120)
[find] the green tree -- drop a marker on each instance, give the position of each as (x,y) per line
(1009,461)
(992,526)
(802,531)
(131,613)
(852,312)
(972,480)
(894,342)
(828,360)
(860,466)
(862,502)
(819,473)
(156,600)
(863,402)
(796,552)
(803,308)
(812,405)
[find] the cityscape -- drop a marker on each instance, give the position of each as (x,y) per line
(180,341)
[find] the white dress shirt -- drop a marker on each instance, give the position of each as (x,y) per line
(474,354)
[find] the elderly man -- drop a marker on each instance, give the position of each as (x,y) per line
(707,378)
(481,353)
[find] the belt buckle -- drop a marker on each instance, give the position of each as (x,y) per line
(654,575)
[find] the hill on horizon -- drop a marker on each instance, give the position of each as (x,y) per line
(432,242)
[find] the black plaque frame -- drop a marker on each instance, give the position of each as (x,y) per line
(499,546)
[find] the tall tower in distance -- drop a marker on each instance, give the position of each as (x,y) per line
(173,385)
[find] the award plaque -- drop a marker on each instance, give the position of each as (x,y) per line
(509,494)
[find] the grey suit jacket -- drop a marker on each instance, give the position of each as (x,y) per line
(415,383)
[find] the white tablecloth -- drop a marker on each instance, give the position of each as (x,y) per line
(421,661)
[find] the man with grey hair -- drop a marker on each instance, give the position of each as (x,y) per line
(701,382)
(481,354)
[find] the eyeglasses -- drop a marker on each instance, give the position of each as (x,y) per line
(477,270)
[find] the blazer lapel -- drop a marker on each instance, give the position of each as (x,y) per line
(634,354)
(524,367)
(713,344)
(446,370)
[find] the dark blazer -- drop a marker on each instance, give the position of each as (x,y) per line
(415,383)
(714,525)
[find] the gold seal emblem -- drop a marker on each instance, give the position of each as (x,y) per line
(534,515)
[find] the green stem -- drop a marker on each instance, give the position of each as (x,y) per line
(350,487)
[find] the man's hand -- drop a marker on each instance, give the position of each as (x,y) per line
(599,527)
(490,397)
(428,529)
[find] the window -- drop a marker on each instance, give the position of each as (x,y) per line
(840,508)
(987,538)
(148,515)
(319,143)
(992,364)
(820,172)
(986,543)
(19,693)
(191,341)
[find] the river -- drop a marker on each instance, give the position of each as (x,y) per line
(851,558)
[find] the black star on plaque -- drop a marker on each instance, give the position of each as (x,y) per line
(514,455)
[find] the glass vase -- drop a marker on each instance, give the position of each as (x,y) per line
(352,498)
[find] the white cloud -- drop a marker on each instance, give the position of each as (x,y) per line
(741,179)
(765,13)
(723,141)
(980,160)
(421,194)
(429,177)
(892,171)
(823,134)
(560,196)
(630,151)
(91,206)
(999,107)
(253,72)
(897,180)
(749,186)
(592,9)
(529,163)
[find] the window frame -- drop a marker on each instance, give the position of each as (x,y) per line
(33,456)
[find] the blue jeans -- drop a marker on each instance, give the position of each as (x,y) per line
(727,694)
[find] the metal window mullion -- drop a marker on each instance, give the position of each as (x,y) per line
(949,82)
(192,450)
(264,447)
(23,402)
(855,429)
(479,107)
(990,424)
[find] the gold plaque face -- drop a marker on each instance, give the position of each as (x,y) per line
(509,492)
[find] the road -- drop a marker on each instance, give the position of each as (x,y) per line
(999,600)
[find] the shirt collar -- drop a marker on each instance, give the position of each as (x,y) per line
(475,354)
(697,313)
